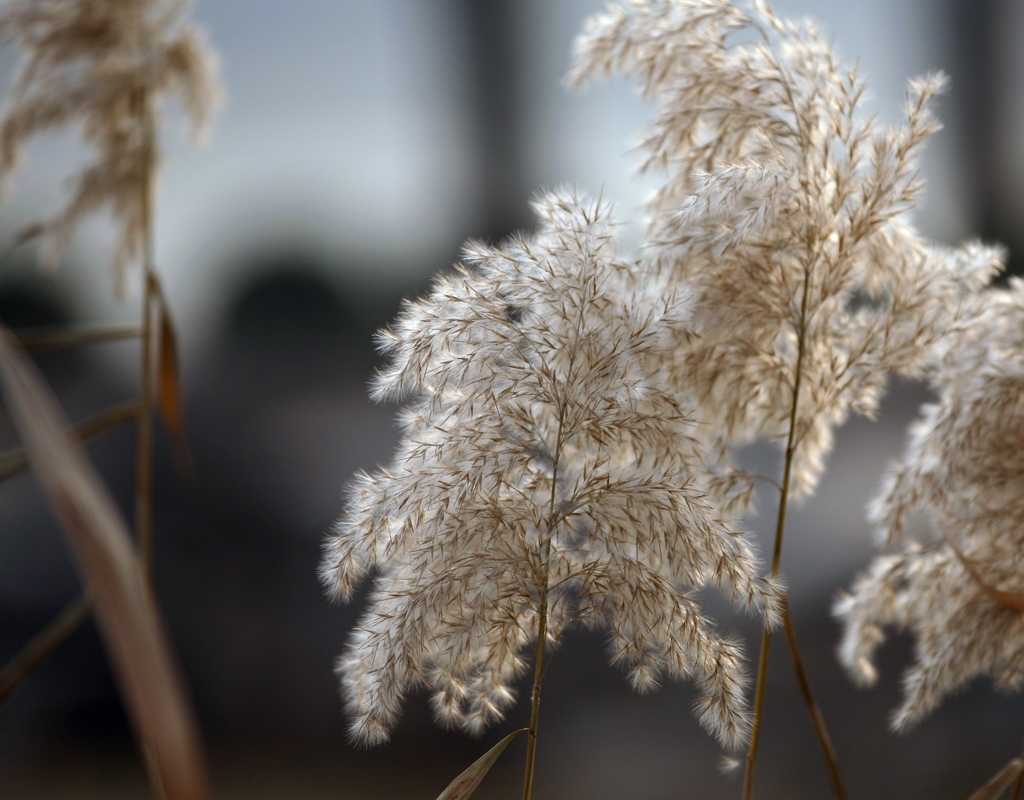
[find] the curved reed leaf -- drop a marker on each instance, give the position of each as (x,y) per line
(1000,781)
(470,778)
(138,646)
(169,395)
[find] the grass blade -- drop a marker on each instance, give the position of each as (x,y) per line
(138,647)
(469,779)
(1000,782)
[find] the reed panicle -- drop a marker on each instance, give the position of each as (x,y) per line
(100,66)
(959,594)
(545,478)
(786,211)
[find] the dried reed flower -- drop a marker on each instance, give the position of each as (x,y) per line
(103,64)
(964,468)
(787,214)
(543,473)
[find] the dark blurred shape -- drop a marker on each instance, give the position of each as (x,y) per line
(30,305)
(495,40)
(34,300)
(277,416)
(288,302)
(981,99)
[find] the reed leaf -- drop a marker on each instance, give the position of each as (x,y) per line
(470,778)
(137,644)
(1000,781)
(169,394)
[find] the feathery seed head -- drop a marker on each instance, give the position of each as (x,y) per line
(103,65)
(963,468)
(544,469)
(783,208)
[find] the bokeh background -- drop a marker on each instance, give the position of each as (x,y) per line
(361,143)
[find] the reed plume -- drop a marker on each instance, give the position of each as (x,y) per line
(545,478)
(103,66)
(787,212)
(958,594)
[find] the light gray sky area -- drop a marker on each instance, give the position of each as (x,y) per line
(351,126)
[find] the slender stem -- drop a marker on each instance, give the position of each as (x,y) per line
(780,526)
(42,644)
(538,676)
(144,453)
(13,462)
(766,637)
(542,625)
(831,761)
(542,610)
(144,456)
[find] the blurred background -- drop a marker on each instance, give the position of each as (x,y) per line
(361,143)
